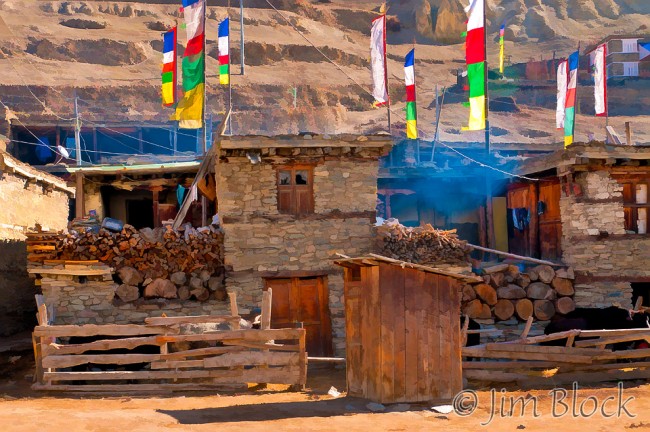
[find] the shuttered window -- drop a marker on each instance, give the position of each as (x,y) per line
(635,205)
(295,190)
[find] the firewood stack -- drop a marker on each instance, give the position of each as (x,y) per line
(505,293)
(158,263)
(424,245)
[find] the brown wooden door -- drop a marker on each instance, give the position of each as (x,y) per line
(550,223)
(519,241)
(303,300)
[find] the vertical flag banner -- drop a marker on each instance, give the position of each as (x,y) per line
(224,52)
(169,69)
(411,109)
(378,61)
(189,111)
(644,50)
(502,32)
(562,71)
(570,115)
(475,59)
(600,80)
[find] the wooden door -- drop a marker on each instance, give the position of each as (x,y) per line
(550,222)
(306,301)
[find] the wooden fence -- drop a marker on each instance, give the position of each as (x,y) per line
(584,356)
(234,356)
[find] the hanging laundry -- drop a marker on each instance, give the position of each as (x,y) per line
(520,218)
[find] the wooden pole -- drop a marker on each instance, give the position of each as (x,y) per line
(79,195)
(628,134)
(513,256)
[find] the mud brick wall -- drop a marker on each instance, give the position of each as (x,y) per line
(23,204)
(594,242)
(259,240)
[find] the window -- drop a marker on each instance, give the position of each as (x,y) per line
(630,46)
(635,204)
(295,190)
(631,69)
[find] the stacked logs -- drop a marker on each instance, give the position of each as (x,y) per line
(423,245)
(505,293)
(158,263)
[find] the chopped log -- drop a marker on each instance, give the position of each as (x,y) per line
(504,309)
(497,279)
(511,292)
(473,309)
(524,309)
(486,293)
(161,288)
(532,274)
(539,291)
(523,280)
(468,293)
(545,273)
(495,269)
(127,293)
(130,276)
(513,271)
(566,273)
(564,287)
(564,305)
(201,294)
(544,310)
(184,293)
(486,312)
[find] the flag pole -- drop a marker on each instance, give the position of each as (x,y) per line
(204,200)
(487,105)
(390,131)
(229,82)
(575,113)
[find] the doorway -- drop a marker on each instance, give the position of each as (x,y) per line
(303,300)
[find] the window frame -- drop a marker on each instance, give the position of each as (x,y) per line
(296,191)
(631,208)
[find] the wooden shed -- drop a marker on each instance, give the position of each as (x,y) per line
(403,337)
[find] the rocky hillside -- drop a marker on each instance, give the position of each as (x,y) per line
(109,53)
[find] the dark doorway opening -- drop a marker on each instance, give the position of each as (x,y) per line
(139,213)
(641,289)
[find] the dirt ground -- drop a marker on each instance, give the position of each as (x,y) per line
(275,408)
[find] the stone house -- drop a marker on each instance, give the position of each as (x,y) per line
(603,209)
(28,198)
(288,206)
(623,56)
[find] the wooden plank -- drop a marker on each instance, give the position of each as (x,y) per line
(282,375)
(86,272)
(404,264)
(456,368)
(131,388)
(269,346)
(177,364)
(390,278)
(544,349)
(585,377)
(302,359)
(613,340)
(412,287)
(496,375)
(546,338)
(245,335)
(352,290)
(444,337)
(234,310)
(191,319)
(464,330)
(431,344)
(508,365)
(102,330)
(201,352)
(65,361)
(529,323)
(625,354)
(424,303)
(608,333)
(483,353)
(267,301)
(371,343)
(399,333)
(38,358)
(100,345)
(253,358)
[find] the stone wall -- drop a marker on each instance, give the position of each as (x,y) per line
(259,241)
(24,203)
(594,242)
(92,300)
